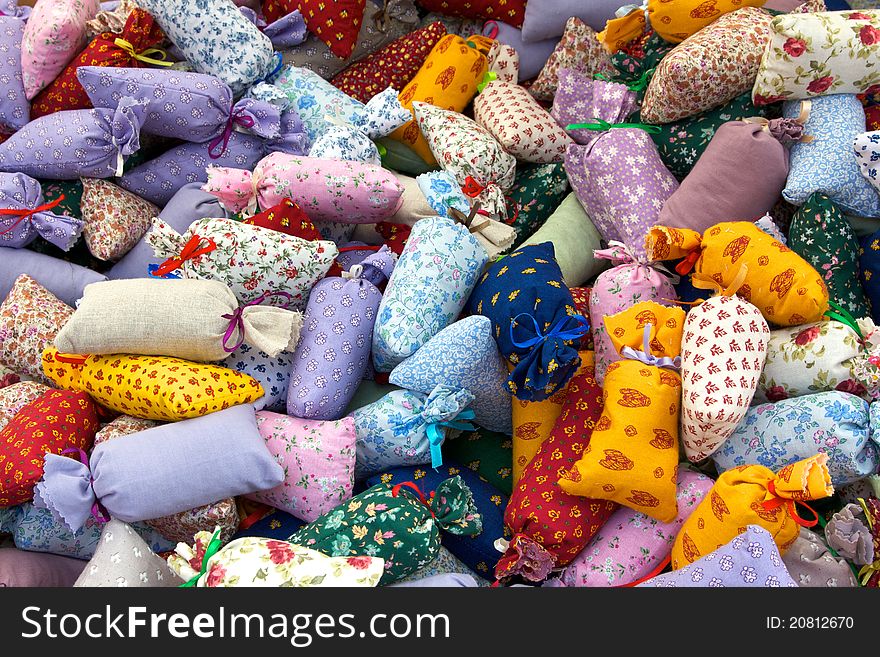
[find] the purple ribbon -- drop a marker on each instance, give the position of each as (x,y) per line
(647,357)
(236,117)
(99,513)
(236,321)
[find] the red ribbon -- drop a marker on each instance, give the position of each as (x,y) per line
(395,491)
(71,360)
(192,249)
(24,213)
(685,266)
(790,507)
(235,118)
(471,187)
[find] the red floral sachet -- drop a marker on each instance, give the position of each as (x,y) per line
(134,48)
(286,217)
(549,526)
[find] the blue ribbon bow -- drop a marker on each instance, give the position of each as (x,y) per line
(435,435)
(555,332)
(279,62)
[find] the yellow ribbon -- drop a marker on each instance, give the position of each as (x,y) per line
(702,283)
(144,56)
(868,570)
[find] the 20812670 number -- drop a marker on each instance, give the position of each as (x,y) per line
(810,623)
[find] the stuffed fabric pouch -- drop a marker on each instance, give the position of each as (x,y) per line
(194,107)
(153,388)
(781,284)
(722,357)
(633,455)
(327,190)
(239,54)
(114,220)
(750,560)
(429,288)
(193,463)
(479,164)
(581,98)
(53,35)
(26,215)
(63,279)
(742,155)
(408,428)
(236,254)
(867,148)
(134,44)
(752,495)
(271,372)
(632,545)
(448,79)
(159,179)
(54,423)
(534,320)
(819,53)
(834,423)
(632,280)
(462,355)
(30,319)
(550,527)
(826,164)
(712,67)
(519,123)
(85,143)
(811,564)
(318,460)
(265,562)
(333,352)
(196,320)
(399,524)
(14,106)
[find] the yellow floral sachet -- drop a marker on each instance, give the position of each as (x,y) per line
(151,387)
(632,457)
(782,285)
(753,495)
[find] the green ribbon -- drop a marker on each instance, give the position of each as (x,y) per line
(639,84)
(601,126)
(213,548)
(843,316)
(490,76)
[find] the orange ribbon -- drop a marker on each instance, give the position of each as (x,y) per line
(25,213)
(395,491)
(193,249)
(685,266)
(71,360)
(770,505)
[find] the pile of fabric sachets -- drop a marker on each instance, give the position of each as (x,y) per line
(440,293)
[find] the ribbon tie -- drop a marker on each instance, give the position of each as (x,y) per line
(790,507)
(144,55)
(490,76)
(99,513)
(213,548)
(599,125)
(647,357)
(842,315)
(472,188)
(236,319)
(435,436)
(236,118)
(555,332)
(24,213)
(192,249)
(638,84)
(279,62)
(395,491)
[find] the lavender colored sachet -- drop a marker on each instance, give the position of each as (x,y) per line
(24,214)
(192,462)
(76,143)
(286,32)
(63,279)
(158,179)
(334,348)
(15,109)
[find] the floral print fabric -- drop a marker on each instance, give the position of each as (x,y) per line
(462,355)
(30,318)
(265,562)
(114,220)
(318,458)
(834,423)
(429,288)
(712,67)
(867,148)
(398,524)
(240,256)
(536,193)
(273,374)
(826,164)
(819,53)
(16,396)
(234,49)
(23,193)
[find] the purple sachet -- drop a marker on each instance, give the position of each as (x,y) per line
(286,32)
(193,462)
(63,279)
(76,143)
(158,179)
(334,347)
(15,110)
(24,215)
